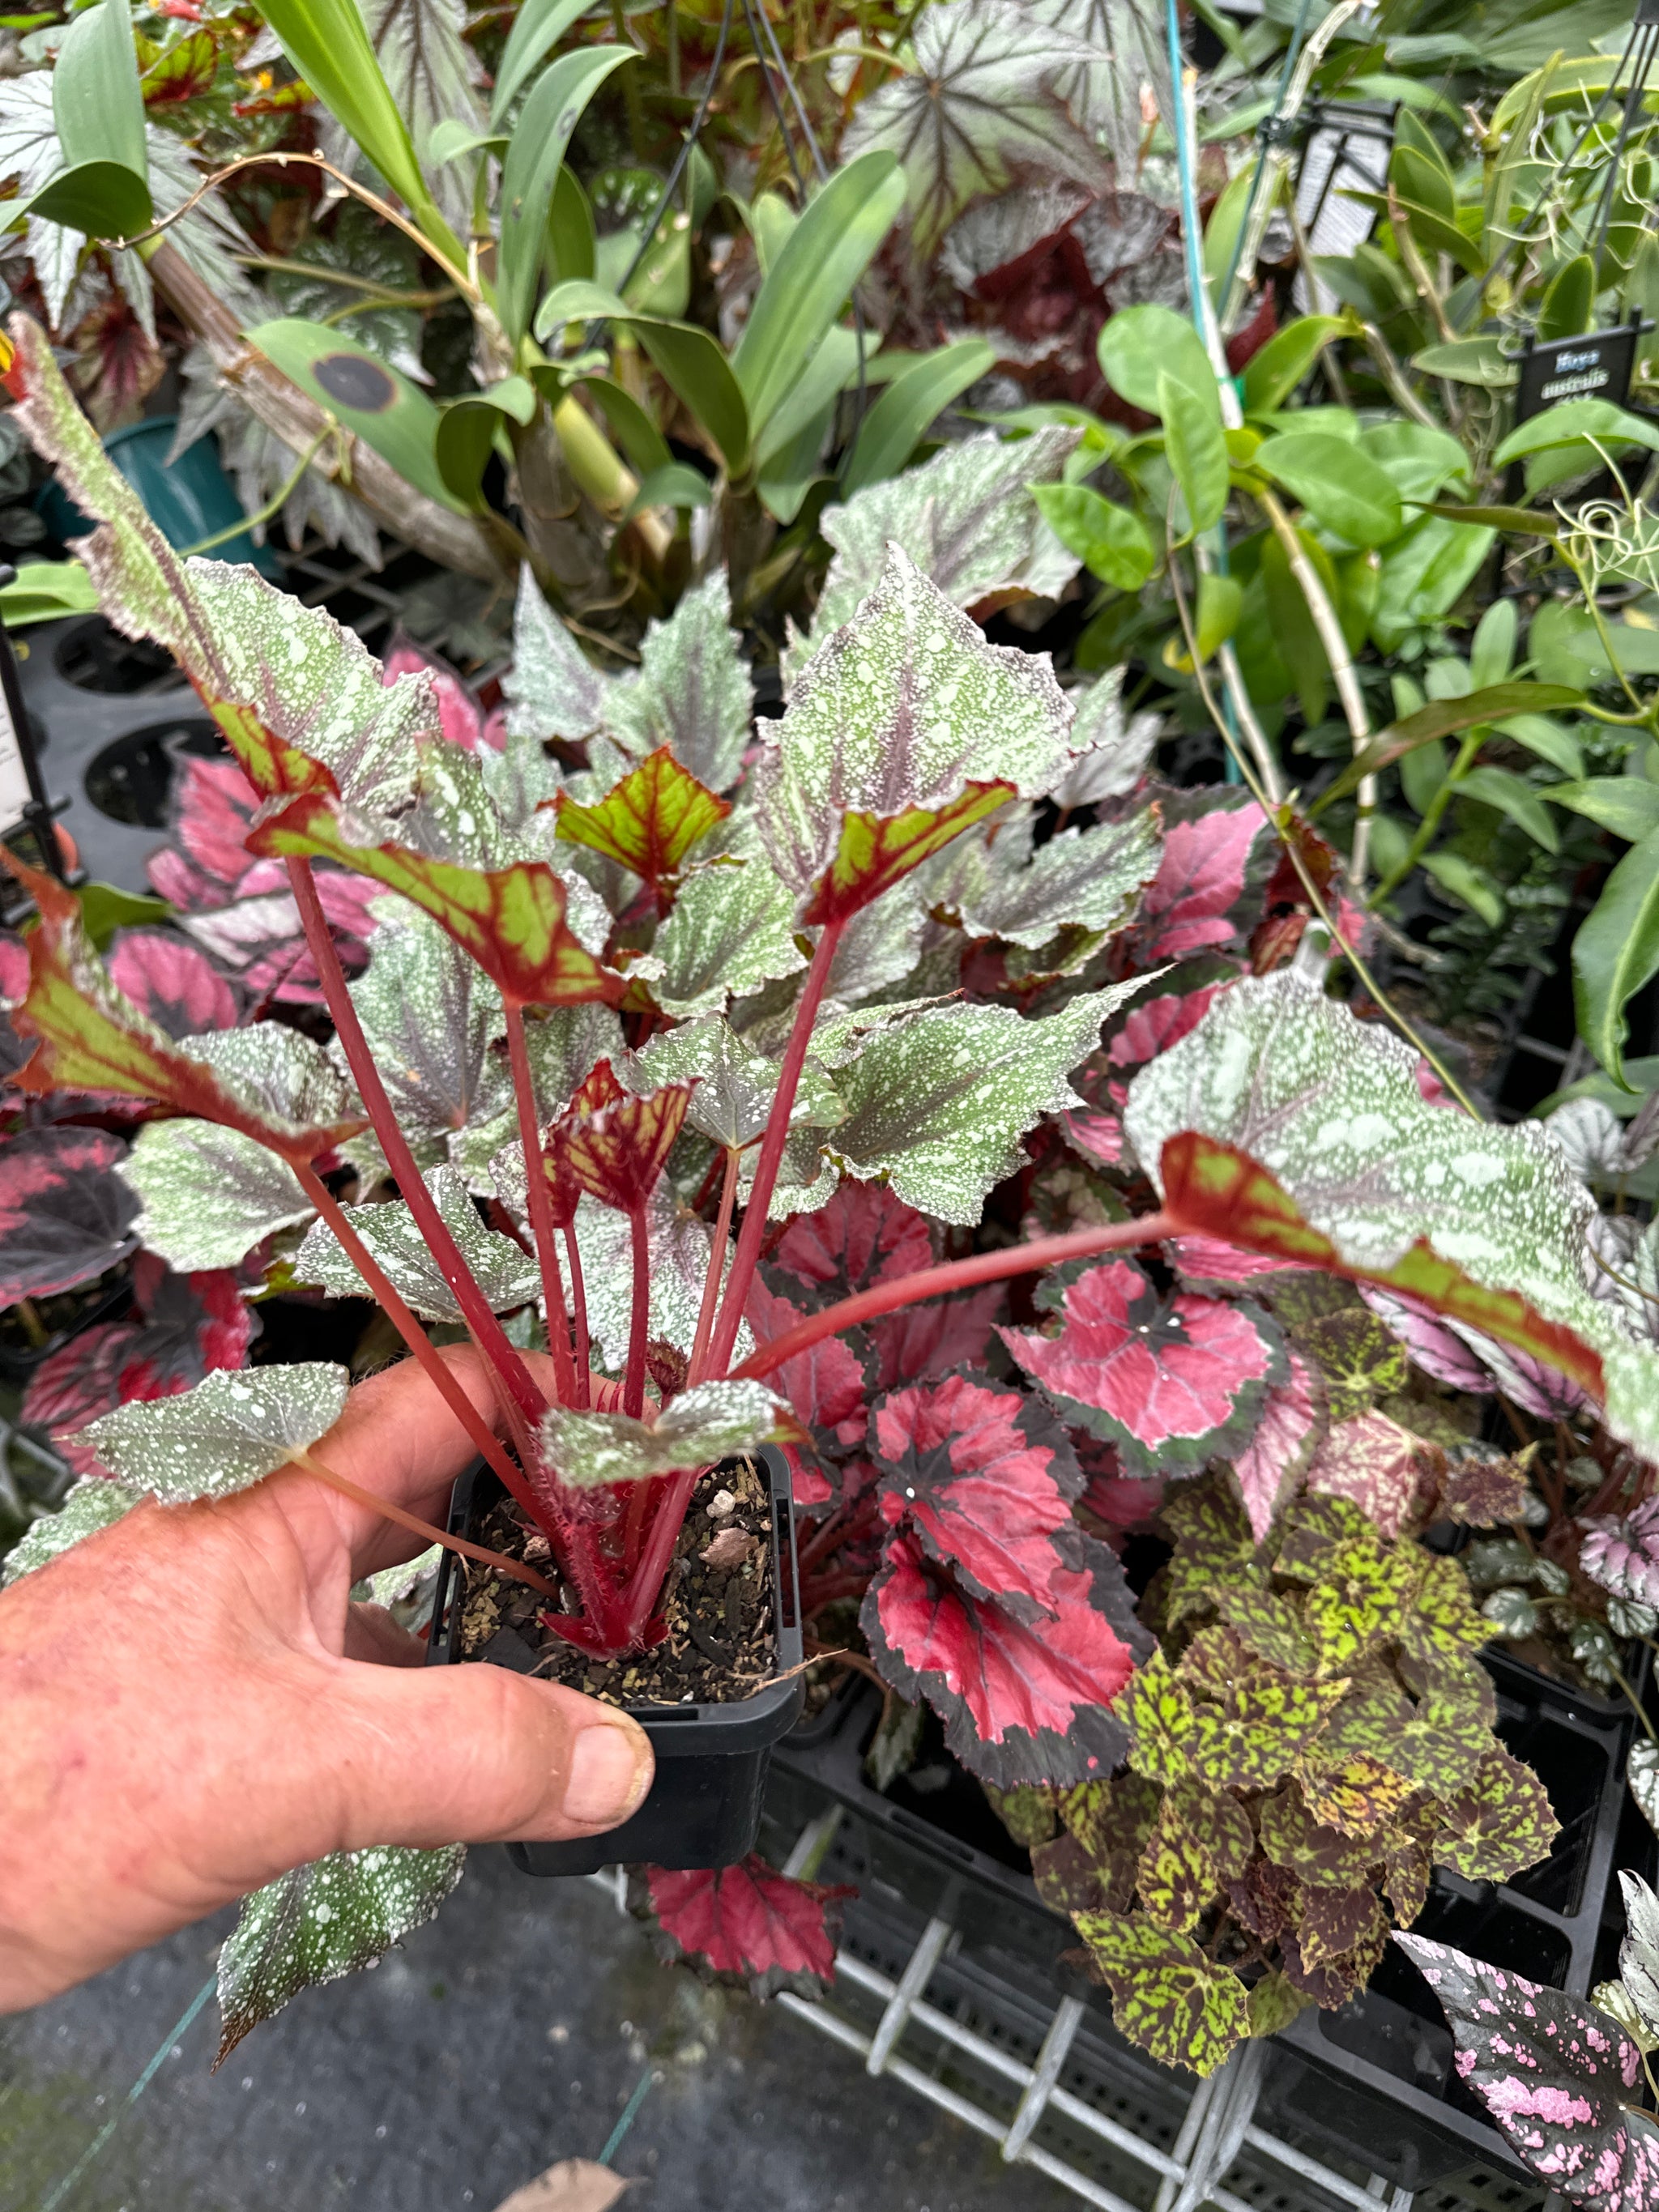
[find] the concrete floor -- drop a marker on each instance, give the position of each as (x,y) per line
(507,2034)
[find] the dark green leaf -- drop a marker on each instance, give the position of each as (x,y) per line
(370,398)
(1112,542)
(1616,952)
(1444,718)
(528,175)
(1569,301)
(896,424)
(1196,448)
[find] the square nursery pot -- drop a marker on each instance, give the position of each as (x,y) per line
(704,1806)
(1373,2081)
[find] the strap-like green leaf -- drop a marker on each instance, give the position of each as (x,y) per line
(537,28)
(467,429)
(896,424)
(1615,952)
(531,167)
(690,360)
(1444,718)
(96,103)
(381,405)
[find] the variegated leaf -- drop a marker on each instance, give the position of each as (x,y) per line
(1114,750)
(679,1246)
(93,1504)
(692,693)
(565,1044)
(732,929)
(703,1425)
(1083,878)
(325,1920)
(1286,1126)
(506,1275)
(209,1195)
(291,1076)
(430,1017)
(736,1085)
(938,1104)
(235,1427)
(553,690)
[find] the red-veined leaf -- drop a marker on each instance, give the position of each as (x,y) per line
(1388,1473)
(920,1342)
(825,1384)
(1020,1702)
(65,1215)
(985,1477)
(614,1144)
(865,1235)
(1152,1026)
(649,820)
(748,1924)
(1169,1382)
(1291,1424)
(511,921)
(172,981)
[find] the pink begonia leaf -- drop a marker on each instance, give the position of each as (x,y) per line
(1097,1134)
(1388,1473)
(14,967)
(1020,1702)
(460,716)
(865,1236)
(186,1326)
(1433,1346)
(1555,2073)
(1152,1026)
(1200,879)
(186,888)
(1205,1263)
(1291,1424)
(1171,1383)
(65,1215)
(811,1486)
(1121,1501)
(173,981)
(921,1342)
(213,809)
(1540,1390)
(747,1924)
(985,1476)
(1622,1552)
(826,1385)
(1434,1091)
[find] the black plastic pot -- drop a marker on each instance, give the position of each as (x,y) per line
(1374,2080)
(704,1806)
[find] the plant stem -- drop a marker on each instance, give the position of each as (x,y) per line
(1423,837)
(646,1587)
(958,1275)
(639,1320)
(711,1289)
(413,1523)
(771,1156)
(426,1353)
(579,1317)
(411,1187)
(542,1234)
(1394,378)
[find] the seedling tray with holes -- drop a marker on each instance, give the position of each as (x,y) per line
(1373,2081)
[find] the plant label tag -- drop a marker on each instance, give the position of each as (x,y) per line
(1595,366)
(16,782)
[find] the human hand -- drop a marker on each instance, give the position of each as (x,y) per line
(192,1705)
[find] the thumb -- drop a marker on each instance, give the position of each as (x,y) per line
(479,1754)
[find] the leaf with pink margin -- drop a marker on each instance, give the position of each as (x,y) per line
(825,1385)
(172,981)
(65,1215)
(1291,1424)
(1020,1703)
(1622,1552)
(865,1236)
(747,1924)
(1390,1474)
(1171,1383)
(1555,2074)
(1200,880)
(985,1476)
(921,1342)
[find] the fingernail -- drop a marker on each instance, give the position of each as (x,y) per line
(611,1770)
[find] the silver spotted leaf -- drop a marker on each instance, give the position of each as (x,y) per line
(1622,1552)
(553,690)
(736,1085)
(209,1195)
(732,929)
(430,1017)
(938,1104)
(506,1275)
(967,518)
(1642,1774)
(703,1425)
(692,693)
(1114,750)
(680,1244)
(1082,878)
(565,1045)
(1639,1955)
(236,1426)
(94,1503)
(880,946)
(324,1920)
(290,1075)
(899,711)
(1481,1221)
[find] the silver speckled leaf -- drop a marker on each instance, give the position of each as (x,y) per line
(880,946)
(698,1429)
(553,690)
(94,1504)
(507,1276)
(736,1086)
(1115,750)
(290,1075)
(1330,1107)
(903,707)
(1088,878)
(430,1015)
(967,518)
(209,1195)
(234,1427)
(731,930)
(680,1245)
(520,778)
(565,1045)
(938,1104)
(692,693)
(325,1920)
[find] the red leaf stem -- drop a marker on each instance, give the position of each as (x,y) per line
(514,1568)
(544,1235)
(771,1155)
(711,1289)
(638,1328)
(474,1306)
(958,1275)
(647,1586)
(851,1584)
(579,1317)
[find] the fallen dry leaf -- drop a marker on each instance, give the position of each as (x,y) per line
(729,1549)
(574,2185)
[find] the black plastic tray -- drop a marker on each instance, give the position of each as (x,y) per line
(704,1808)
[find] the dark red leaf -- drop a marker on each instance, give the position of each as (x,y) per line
(1556,2074)
(748,1924)
(865,1236)
(1020,1703)
(920,1342)
(810,1484)
(825,1384)
(985,1477)
(1200,879)
(1121,1501)
(1152,1025)
(172,981)
(613,1145)
(65,1215)
(1284,1440)
(1169,1382)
